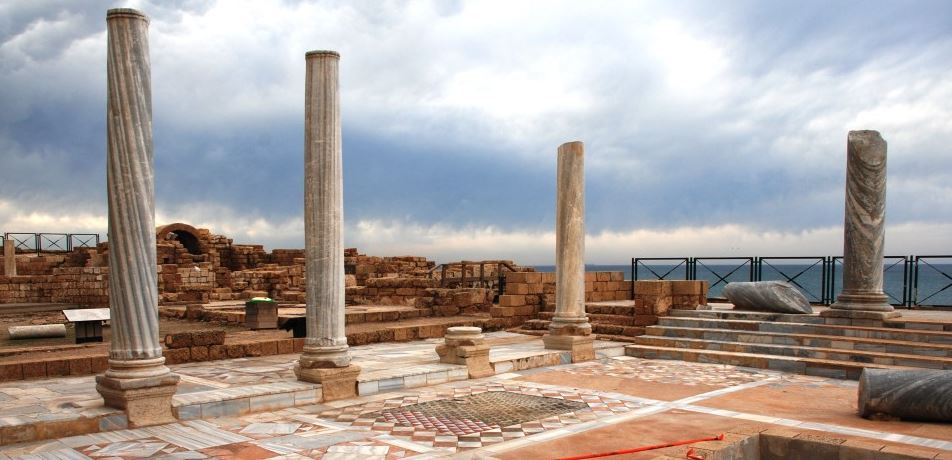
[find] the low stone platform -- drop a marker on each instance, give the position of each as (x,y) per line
(50,408)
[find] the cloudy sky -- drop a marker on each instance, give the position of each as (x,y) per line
(711,128)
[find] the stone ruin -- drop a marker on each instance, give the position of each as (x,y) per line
(197,266)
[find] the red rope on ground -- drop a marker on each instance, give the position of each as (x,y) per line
(719,437)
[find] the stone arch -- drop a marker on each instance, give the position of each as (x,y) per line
(184,234)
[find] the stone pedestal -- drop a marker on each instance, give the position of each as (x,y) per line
(864,226)
(326,356)
(261,314)
(467,346)
(336,382)
(9,257)
(143,388)
(570,329)
(137,379)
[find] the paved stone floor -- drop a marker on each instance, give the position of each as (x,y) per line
(612,403)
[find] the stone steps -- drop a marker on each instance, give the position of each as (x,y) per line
(807,366)
(856,356)
(599,318)
(805,344)
(807,340)
(881,333)
(613,332)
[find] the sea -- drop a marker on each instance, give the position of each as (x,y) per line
(931,286)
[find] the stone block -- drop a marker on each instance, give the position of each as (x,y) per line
(216,352)
(57,368)
(336,382)
(235,350)
(178,340)
(198,353)
(269,347)
(10,372)
(34,370)
(502,312)
(208,337)
(652,287)
(80,366)
(516,277)
(517,288)
(177,355)
(285,346)
(253,349)
(512,300)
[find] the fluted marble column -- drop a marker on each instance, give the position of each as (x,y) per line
(865,225)
(9,257)
(137,379)
(326,357)
(915,394)
(570,329)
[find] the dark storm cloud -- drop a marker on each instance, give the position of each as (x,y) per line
(694,113)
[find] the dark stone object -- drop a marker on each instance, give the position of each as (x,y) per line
(923,395)
(775,296)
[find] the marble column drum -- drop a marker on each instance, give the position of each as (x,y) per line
(569,328)
(919,394)
(864,228)
(9,257)
(326,357)
(137,379)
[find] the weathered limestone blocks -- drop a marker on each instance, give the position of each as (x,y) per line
(466,345)
(924,395)
(137,379)
(777,296)
(658,297)
(9,258)
(570,329)
(40,331)
(865,226)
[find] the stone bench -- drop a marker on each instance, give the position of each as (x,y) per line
(88,323)
(466,345)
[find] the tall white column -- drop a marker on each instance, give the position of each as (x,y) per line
(864,228)
(9,257)
(326,357)
(137,379)
(570,329)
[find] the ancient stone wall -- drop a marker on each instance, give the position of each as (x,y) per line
(528,293)
(365,267)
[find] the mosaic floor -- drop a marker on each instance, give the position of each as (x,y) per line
(492,415)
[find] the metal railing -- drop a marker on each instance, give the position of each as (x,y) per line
(908,280)
(51,242)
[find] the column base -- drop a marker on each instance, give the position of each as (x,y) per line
(142,388)
(581,346)
(336,382)
(860,314)
(873,301)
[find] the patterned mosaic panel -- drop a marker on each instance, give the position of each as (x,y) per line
(664,371)
(471,433)
(478,412)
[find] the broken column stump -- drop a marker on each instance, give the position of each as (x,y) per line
(466,345)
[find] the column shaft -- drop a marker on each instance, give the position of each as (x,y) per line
(9,257)
(137,376)
(324,208)
(569,329)
(864,224)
